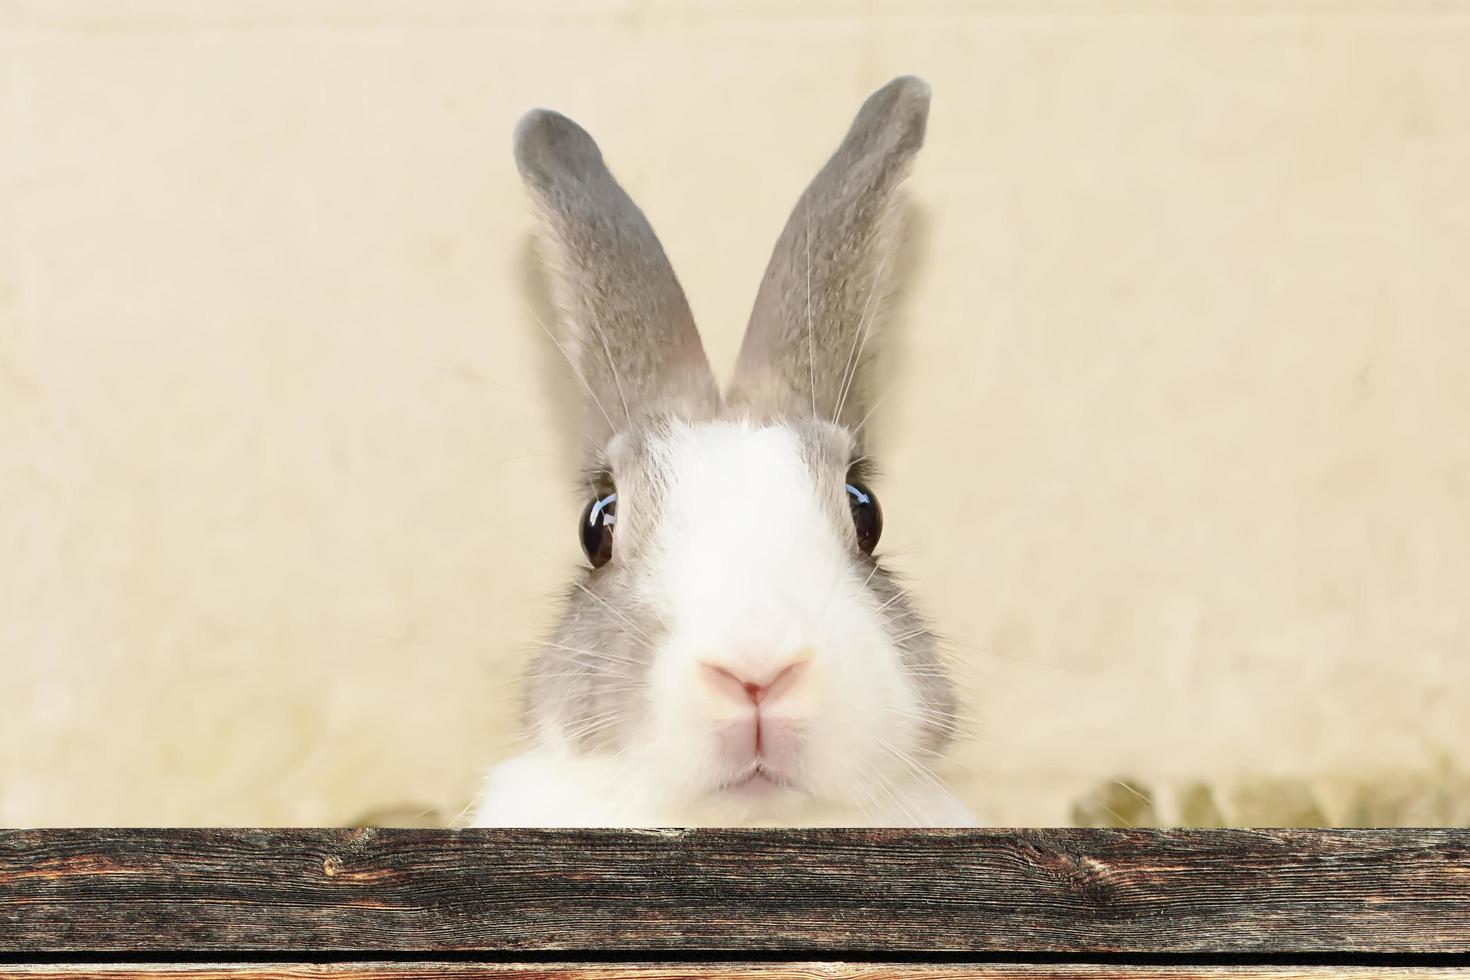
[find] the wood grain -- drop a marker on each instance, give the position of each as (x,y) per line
(772,971)
(802,894)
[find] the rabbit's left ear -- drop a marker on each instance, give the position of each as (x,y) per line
(809,334)
(632,339)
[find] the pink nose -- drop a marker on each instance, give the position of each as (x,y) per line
(735,685)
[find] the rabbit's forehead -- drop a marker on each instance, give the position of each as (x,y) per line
(691,473)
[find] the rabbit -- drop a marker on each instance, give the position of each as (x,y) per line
(734,654)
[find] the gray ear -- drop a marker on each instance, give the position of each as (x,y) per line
(631,337)
(810,332)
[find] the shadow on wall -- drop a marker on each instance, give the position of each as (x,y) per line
(1438,797)
(889,363)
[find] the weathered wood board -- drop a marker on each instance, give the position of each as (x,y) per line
(760,905)
(773,971)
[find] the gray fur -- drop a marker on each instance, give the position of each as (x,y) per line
(616,288)
(604,643)
(589,684)
(632,337)
(809,334)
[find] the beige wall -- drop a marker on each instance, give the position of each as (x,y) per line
(1178,439)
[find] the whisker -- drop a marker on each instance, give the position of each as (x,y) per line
(575,370)
(457,822)
(941,674)
(868,805)
(609,607)
(947,724)
(613,367)
(623,689)
(1122,820)
(915,766)
(894,598)
(904,807)
(864,422)
(1134,791)
(594,722)
(576,735)
(811,341)
(600,716)
(926,714)
(855,357)
(603,668)
(906,614)
(953,646)
(593,670)
(560,674)
(612,658)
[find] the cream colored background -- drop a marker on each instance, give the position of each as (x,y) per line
(1178,439)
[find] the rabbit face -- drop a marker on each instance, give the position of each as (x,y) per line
(739,648)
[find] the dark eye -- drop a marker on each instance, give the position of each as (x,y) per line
(597,529)
(867,516)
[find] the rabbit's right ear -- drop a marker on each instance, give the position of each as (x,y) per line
(806,349)
(631,336)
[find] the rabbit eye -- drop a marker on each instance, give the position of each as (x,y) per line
(867,516)
(597,529)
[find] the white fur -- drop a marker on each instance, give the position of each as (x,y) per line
(541,788)
(749,572)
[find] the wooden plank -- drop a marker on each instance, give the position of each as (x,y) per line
(820,894)
(763,971)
